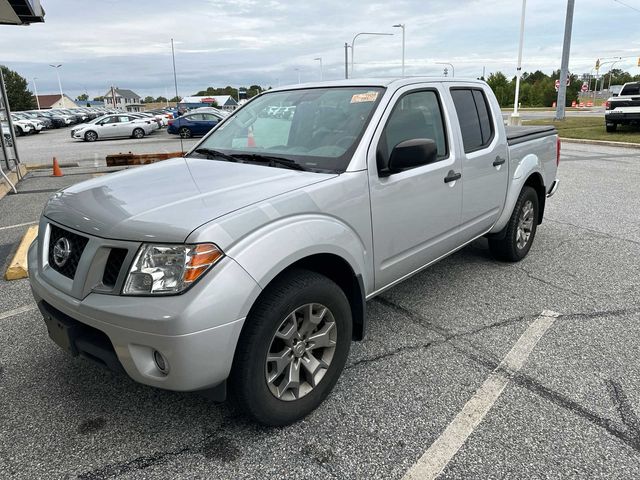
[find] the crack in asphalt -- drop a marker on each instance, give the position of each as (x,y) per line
(211,446)
(551,284)
(630,437)
(625,409)
(593,230)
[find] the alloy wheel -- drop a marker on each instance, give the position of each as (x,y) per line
(301,351)
(525,225)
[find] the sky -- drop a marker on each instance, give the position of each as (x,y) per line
(127,43)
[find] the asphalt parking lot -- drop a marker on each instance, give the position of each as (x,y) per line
(572,410)
(40,149)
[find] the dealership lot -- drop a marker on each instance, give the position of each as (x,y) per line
(40,149)
(572,410)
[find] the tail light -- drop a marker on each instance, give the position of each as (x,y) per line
(170,122)
(607,105)
(558,152)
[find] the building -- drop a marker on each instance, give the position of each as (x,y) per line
(20,12)
(54,101)
(223,102)
(124,100)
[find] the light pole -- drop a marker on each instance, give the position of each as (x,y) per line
(453,70)
(353,46)
(402,26)
(515,116)
(35,89)
(57,67)
(564,66)
(611,68)
(298,70)
(321,73)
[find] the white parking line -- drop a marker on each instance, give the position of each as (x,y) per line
(16,311)
(17,225)
(440,453)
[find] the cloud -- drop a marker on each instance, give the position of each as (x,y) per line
(242,42)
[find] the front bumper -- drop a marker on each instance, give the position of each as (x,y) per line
(195,332)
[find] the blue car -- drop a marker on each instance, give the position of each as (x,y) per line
(192,124)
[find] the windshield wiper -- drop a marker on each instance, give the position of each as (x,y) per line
(273,161)
(213,154)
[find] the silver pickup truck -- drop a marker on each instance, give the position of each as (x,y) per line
(247,264)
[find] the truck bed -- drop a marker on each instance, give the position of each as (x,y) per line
(516,135)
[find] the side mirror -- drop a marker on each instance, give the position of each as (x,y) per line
(411,154)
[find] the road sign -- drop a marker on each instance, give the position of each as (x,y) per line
(584,87)
(557,84)
(598,64)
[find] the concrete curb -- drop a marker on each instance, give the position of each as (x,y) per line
(13,177)
(18,266)
(601,142)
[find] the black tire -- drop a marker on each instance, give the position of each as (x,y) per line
(611,127)
(90,136)
(248,383)
(185,132)
(508,248)
(19,132)
(138,133)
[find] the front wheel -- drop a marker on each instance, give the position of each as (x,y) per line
(91,136)
(520,231)
(292,349)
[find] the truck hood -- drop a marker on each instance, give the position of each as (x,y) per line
(166,201)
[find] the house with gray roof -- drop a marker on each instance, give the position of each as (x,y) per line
(123,99)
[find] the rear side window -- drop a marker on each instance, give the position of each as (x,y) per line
(474,116)
(631,89)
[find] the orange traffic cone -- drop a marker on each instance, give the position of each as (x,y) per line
(251,141)
(57,171)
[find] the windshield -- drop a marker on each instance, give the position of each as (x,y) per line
(318,129)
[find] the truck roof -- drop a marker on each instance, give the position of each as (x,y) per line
(378,82)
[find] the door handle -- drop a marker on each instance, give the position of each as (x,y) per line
(498,161)
(452,176)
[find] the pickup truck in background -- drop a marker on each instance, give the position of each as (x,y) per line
(623,109)
(247,264)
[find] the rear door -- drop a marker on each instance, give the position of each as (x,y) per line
(484,160)
(415,213)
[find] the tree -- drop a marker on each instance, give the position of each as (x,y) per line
(19,96)
(161,100)
(174,99)
(148,99)
(82,98)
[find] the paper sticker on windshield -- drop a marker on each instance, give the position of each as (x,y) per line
(364,97)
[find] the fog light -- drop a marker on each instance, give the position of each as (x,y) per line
(161,363)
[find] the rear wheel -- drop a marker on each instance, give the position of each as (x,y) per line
(138,133)
(611,127)
(292,349)
(91,136)
(520,231)
(185,132)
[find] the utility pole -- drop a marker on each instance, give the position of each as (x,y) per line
(564,68)
(515,116)
(35,89)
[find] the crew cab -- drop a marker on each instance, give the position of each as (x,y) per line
(623,109)
(248,262)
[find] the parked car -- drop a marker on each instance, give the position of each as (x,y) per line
(30,117)
(248,263)
(623,109)
(193,124)
(22,127)
(58,120)
(113,126)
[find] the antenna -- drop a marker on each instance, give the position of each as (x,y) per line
(175,82)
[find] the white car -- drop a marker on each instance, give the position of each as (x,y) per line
(22,127)
(113,126)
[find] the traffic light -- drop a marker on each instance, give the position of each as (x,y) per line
(598,64)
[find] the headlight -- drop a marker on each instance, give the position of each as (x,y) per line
(169,269)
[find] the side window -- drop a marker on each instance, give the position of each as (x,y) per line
(474,116)
(209,117)
(416,115)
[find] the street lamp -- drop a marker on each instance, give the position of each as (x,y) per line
(35,89)
(515,116)
(321,73)
(402,26)
(353,46)
(453,70)
(57,67)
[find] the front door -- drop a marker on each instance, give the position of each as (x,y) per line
(415,213)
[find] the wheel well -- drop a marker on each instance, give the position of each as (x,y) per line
(535,181)
(339,271)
